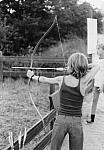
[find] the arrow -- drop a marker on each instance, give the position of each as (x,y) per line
(40,68)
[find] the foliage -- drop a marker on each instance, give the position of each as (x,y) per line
(75,44)
(23,23)
(73,18)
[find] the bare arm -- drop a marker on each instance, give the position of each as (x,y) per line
(55,80)
(87,81)
(91,65)
(91,74)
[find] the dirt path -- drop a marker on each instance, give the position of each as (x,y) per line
(94,133)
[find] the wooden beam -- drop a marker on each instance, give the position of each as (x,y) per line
(35,130)
(36,59)
(44,142)
(1,67)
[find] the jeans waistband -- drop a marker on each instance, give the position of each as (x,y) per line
(64,115)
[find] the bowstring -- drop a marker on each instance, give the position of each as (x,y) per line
(61,42)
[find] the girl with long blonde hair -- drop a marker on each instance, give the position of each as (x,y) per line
(73,88)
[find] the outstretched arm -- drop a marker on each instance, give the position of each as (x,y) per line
(55,80)
(91,74)
(87,82)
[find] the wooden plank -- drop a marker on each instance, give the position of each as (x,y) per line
(55,97)
(44,142)
(35,58)
(52,90)
(14,74)
(35,130)
(1,67)
(23,73)
(54,103)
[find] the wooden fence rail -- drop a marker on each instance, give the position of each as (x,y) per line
(35,130)
(44,142)
(35,58)
(7,62)
(11,61)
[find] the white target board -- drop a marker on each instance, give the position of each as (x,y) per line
(91,36)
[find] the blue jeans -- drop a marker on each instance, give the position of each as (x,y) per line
(71,125)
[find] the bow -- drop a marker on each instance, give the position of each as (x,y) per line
(61,43)
(37,45)
(59,69)
(45,34)
(32,55)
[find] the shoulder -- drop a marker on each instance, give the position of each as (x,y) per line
(71,81)
(86,83)
(68,79)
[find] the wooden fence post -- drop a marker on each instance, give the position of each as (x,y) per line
(1,67)
(52,90)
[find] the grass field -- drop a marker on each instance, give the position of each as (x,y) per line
(17,111)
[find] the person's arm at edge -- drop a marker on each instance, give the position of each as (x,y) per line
(91,74)
(91,65)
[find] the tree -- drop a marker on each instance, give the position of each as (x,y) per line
(5,32)
(28,20)
(72,17)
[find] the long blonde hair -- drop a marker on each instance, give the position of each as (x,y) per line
(77,65)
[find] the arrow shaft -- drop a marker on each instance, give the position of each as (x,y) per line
(40,68)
